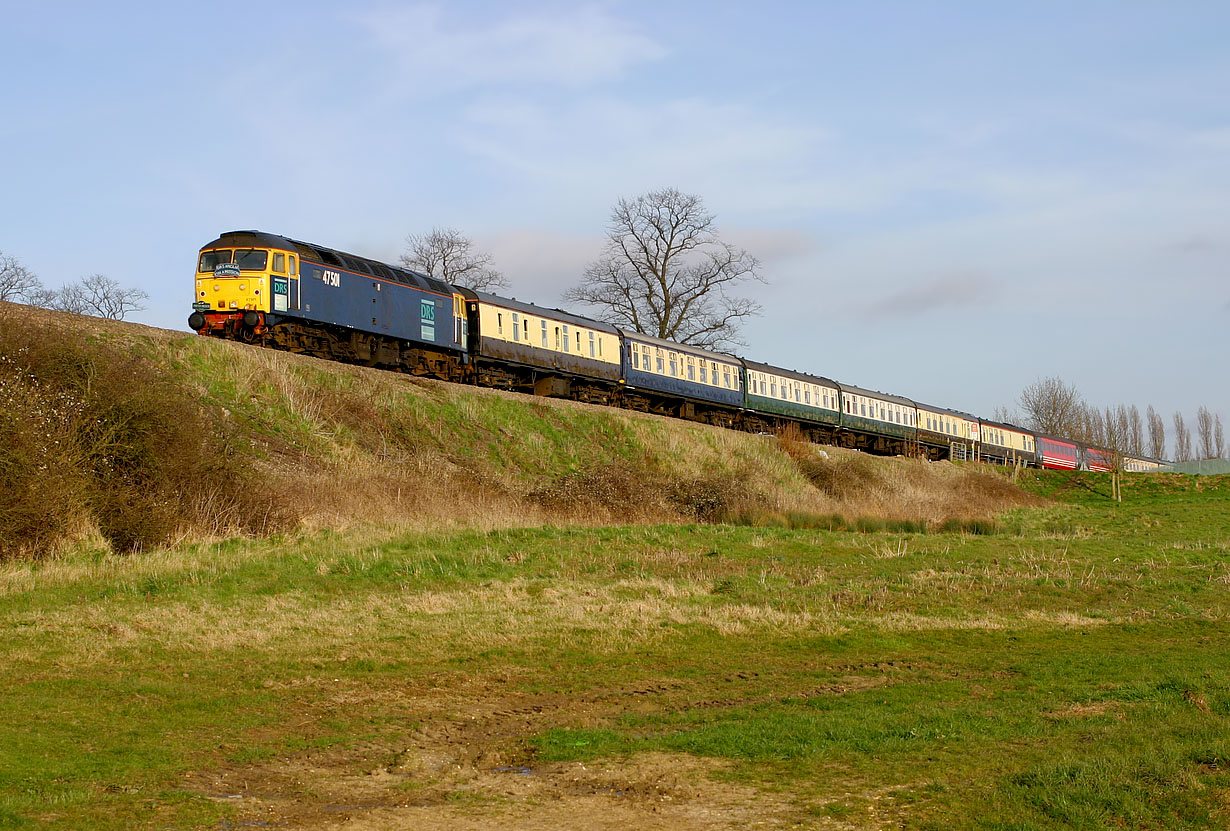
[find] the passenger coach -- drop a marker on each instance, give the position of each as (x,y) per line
(947,433)
(1006,444)
(670,378)
(877,421)
(521,346)
(1057,453)
(793,395)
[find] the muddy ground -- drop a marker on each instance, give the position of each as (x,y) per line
(463,763)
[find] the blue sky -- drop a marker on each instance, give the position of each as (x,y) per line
(950,199)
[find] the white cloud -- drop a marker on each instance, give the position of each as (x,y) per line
(621,148)
(957,290)
(566,49)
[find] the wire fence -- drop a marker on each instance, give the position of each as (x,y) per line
(1205,467)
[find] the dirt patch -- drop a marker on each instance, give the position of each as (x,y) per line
(1090,710)
(466,767)
(463,761)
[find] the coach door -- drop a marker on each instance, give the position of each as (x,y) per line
(460,327)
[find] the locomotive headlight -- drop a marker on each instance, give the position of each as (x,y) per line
(242,286)
(216,287)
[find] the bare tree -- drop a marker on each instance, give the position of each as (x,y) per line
(1219,438)
(1182,440)
(1006,415)
(1092,427)
(1135,432)
(106,298)
(69,298)
(449,255)
(17,283)
(1113,447)
(96,295)
(665,272)
(1157,434)
(1051,406)
(1204,433)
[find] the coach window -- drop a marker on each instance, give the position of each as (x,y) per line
(591,345)
(674,359)
(704,373)
(658,360)
(499,323)
(516,326)
(635,355)
(557,338)
(544,333)
(567,340)
(726,377)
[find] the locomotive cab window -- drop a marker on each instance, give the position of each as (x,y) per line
(251,259)
(212,259)
(279,263)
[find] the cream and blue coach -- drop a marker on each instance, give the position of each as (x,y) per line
(669,378)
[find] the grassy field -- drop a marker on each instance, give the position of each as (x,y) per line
(1069,671)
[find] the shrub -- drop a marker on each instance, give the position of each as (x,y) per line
(97,438)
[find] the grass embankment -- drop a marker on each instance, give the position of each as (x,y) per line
(125,438)
(1071,674)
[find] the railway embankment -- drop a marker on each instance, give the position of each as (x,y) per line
(127,437)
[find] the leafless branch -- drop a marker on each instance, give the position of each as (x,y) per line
(665,272)
(17,283)
(449,255)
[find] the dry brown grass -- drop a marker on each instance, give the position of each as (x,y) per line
(311,444)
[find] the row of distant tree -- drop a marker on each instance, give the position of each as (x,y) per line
(96,295)
(1051,406)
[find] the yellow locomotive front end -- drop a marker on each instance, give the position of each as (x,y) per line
(237,278)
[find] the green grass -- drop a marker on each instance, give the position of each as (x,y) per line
(1070,673)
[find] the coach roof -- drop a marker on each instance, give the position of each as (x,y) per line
(539,311)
